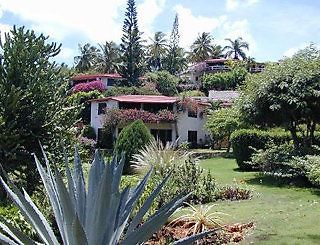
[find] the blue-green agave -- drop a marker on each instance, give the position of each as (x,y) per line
(97,215)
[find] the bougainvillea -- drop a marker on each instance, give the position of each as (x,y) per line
(115,117)
(189,104)
(89,86)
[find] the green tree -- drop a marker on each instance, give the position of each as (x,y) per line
(32,102)
(108,58)
(236,48)
(286,94)
(131,47)
(131,139)
(202,48)
(166,83)
(85,61)
(157,51)
(175,61)
(222,122)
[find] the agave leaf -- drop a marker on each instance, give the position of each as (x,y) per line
(6,240)
(146,206)
(71,187)
(50,186)
(80,189)
(79,234)
(14,233)
(191,239)
(154,223)
(38,222)
(68,211)
(95,174)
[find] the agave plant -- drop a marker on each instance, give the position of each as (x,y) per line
(160,156)
(98,214)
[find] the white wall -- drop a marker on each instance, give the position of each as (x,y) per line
(186,124)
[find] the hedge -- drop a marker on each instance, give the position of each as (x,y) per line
(244,141)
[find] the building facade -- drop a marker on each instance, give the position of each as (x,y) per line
(166,117)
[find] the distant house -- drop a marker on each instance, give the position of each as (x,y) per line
(109,79)
(226,97)
(168,118)
(197,70)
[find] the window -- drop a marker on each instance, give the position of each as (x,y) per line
(193,137)
(164,135)
(111,82)
(101,108)
(192,113)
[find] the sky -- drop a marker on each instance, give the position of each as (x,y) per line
(273,28)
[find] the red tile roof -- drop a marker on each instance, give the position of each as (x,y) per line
(93,76)
(140,99)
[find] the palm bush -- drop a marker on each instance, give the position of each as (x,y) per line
(159,156)
(98,214)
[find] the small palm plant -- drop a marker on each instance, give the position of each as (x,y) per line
(96,215)
(199,219)
(159,156)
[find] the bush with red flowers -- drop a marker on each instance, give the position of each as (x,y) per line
(89,86)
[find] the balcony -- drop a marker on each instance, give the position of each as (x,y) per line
(217,68)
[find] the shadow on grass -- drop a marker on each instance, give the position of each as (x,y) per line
(271,181)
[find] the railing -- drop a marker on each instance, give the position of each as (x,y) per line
(256,69)
(217,68)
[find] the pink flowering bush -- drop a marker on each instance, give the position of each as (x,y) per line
(89,86)
(114,117)
(190,104)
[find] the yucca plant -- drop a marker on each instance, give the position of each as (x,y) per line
(160,156)
(199,219)
(97,215)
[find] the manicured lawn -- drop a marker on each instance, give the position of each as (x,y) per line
(282,213)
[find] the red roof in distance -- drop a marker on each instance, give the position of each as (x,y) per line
(140,99)
(93,76)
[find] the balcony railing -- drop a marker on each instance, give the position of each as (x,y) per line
(256,69)
(217,68)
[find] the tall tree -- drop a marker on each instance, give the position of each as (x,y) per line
(108,58)
(202,48)
(175,61)
(84,62)
(32,102)
(236,48)
(157,51)
(131,47)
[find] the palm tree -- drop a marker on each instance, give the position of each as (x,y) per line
(202,48)
(217,52)
(108,58)
(157,50)
(85,60)
(235,48)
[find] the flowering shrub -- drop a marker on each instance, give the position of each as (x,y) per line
(89,86)
(189,104)
(114,117)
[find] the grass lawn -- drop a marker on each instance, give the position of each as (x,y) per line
(282,213)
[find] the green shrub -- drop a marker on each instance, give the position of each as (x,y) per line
(244,141)
(192,93)
(166,83)
(131,139)
(89,132)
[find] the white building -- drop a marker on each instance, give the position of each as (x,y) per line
(188,124)
(108,80)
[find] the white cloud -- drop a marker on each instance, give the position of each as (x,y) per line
(291,51)
(66,53)
(148,11)
(237,29)
(235,4)
(4,29)
(190,25)
(96,19)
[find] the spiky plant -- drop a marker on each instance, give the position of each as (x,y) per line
(96,215)
(159,156)
(199,219)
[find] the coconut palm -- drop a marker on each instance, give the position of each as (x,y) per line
(108,58)
(202,48)
(217,52)
(236,48)
(85,60)
(157,50)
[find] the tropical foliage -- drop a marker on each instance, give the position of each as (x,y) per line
(107,59)
(165,83)
(236,48)
(202,48)
(85,61)
(99,214)
(157,51)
